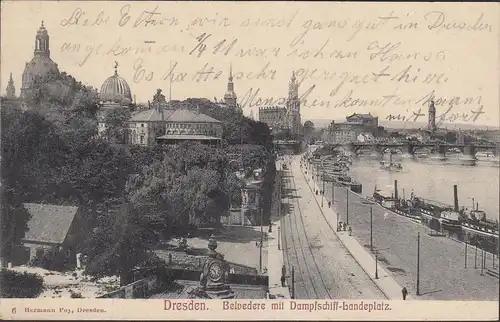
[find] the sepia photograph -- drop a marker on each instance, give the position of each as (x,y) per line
(321,159)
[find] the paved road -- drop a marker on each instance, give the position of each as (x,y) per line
(442,261)
(323,267)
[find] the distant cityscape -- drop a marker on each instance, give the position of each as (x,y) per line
(106,197)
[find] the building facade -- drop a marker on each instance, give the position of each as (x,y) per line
(40,65)
(53,228)
(287,117)
(158,121)
(293,107)
(358,127)
(274,117)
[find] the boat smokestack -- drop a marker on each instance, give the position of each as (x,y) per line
(396,189)
(455,197)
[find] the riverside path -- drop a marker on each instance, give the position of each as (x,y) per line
(324,269)
(443,275)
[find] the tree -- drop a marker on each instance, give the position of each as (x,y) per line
(124,241)
(20,285)
(116,124)
(31,155)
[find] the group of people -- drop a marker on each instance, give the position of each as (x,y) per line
(343,227)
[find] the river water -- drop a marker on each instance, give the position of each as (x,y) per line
(434,180)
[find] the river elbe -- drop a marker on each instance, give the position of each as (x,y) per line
(434,180)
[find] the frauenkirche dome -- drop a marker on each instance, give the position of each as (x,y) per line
(115,89)
(41,64)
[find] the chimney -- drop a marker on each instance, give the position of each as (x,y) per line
(455,197)
(396,189)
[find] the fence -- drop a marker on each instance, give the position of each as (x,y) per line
(140,289)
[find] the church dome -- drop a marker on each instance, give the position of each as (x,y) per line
(115,89)
(41,65)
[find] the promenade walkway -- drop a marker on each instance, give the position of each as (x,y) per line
(275,254)
(448,270)
(324,269)
(386,283)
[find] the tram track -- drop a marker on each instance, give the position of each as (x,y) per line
(312,281)
(303,276)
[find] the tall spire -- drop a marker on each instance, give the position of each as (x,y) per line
(11,90)
(230,96)
(431,126)
(116,68)
(42,42)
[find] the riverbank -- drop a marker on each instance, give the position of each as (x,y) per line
(443,275)
(433,181)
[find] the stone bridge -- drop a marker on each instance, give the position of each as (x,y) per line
(410,148)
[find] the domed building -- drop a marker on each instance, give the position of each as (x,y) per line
(115,93)
(115,90)
(41,64)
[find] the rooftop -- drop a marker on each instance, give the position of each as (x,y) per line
(172,115)
(368,116)
(49,223)
(187,137)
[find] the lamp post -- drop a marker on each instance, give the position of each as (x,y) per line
(371,228)
(465,257)
(279,237)
(323,190)
(333,190)
(261,238)
(347,206)
(418,263)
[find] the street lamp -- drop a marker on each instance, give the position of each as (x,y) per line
(371,228)
(347,206)
(323,189)
(279,237)
(418,263)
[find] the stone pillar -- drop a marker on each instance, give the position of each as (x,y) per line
(32,253)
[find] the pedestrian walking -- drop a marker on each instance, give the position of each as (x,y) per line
(404,291)
(329,204)
(350,231)
(283,275)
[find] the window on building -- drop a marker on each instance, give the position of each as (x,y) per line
(141,140)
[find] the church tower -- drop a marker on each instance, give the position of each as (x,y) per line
(42,42)
(432,117)
(40,65)
(230,96)
(11,90)
(293,106)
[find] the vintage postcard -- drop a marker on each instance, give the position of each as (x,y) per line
(249,160)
